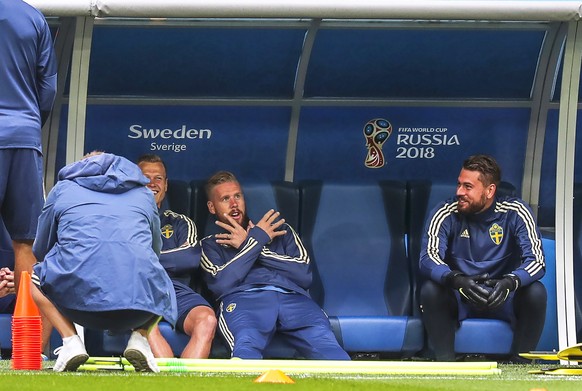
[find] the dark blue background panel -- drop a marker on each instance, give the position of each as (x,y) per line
(425,143)
(195,142)
(192,62)
(425,63)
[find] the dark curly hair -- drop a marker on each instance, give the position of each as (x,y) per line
(486,166)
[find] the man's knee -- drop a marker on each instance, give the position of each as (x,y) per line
(202,321)
(533,295)
(431,292)
(249,344)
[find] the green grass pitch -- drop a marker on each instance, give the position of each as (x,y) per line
(511,377)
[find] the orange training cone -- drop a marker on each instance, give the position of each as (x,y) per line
(25,305)
(26,329)
(274,376)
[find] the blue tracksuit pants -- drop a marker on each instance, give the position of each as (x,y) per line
(249,320)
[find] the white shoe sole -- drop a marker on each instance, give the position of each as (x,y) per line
(75,362)
(138,360)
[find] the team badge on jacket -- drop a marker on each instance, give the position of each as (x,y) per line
(230,307)
(496,233)
(167,231)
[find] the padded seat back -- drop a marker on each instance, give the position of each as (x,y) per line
(178,197)
(422,197)
(354,234)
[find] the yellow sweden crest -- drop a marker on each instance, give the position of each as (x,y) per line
(167,231)
(230,307)
(496,233)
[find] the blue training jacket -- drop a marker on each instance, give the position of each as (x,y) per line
(501,240)
(180,254)
(99,238)
(282,262)
(28,74)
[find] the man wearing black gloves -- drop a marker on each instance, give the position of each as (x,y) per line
(482,257)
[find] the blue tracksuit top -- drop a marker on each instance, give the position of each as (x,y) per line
(504,239)
(180,254)
(99,238)
(28,74)
(282,262)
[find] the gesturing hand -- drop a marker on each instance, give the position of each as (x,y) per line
(469,288)
(236,234)
(270,224)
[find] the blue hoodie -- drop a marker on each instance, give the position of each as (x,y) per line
(98,241)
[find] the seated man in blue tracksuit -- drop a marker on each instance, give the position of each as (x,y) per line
(260,273)
(482,257)
(180,257)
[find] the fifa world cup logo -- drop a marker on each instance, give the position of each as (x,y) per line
(376,132)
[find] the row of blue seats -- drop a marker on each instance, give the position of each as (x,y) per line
(364,243)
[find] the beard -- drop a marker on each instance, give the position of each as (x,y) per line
(473,207)
(244,222)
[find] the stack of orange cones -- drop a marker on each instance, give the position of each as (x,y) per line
(26,329)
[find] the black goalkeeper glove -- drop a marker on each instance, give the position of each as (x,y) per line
(469,288)
(501,290)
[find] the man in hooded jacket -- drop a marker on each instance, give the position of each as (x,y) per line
(98,243)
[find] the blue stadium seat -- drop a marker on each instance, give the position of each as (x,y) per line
(483,336)
(6,331)
(178,196)
(198,209)
(355,235)
(489,330)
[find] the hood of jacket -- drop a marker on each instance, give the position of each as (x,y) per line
(105,173)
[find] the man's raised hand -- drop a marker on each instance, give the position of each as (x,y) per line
(236,234)
(270,224)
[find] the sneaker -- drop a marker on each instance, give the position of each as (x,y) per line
(139,354)
(71,355)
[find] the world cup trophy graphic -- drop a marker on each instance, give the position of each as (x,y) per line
(376,132)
